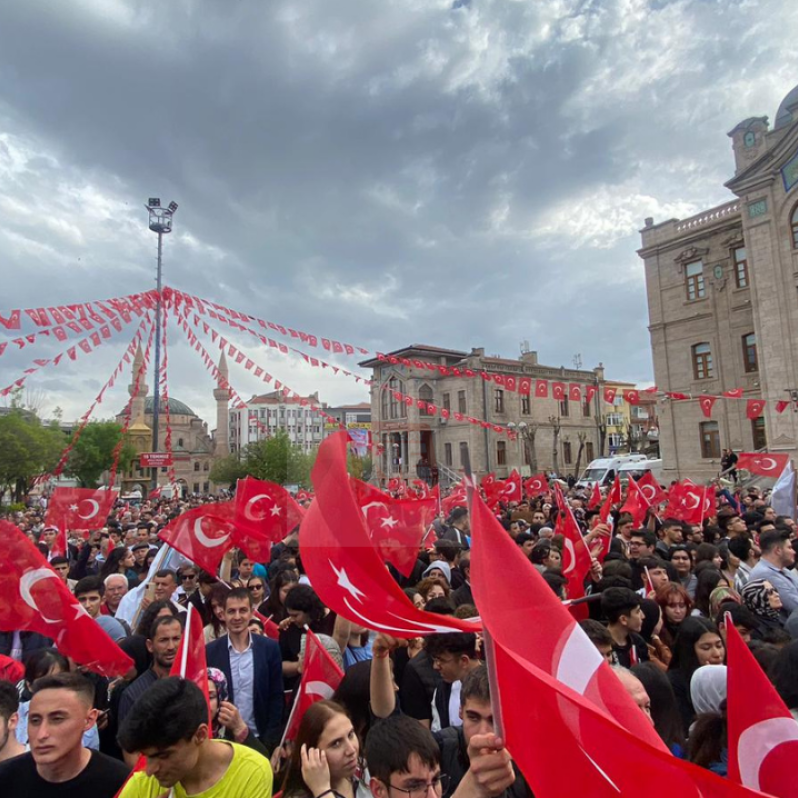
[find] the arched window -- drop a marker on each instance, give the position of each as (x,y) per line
(794,227)
(702,361)
(425,395)
(750,360)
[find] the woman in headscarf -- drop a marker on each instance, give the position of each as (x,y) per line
(764,601)
(708,688)
(226,721)
(708,746)
(720,594)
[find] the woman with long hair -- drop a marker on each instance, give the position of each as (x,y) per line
(698,643)
(256,585)
(216,627)
(708,579)
(121,561)
(279,588)
(676,604)
(326,755)
(667,721)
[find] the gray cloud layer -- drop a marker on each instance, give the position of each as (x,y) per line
(408,170)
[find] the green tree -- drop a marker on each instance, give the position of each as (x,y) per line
(359,467)
(227,470)
(94,453)
(27,449)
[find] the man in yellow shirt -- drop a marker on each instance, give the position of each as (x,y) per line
(168,725)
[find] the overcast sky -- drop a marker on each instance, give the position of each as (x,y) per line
(468,173)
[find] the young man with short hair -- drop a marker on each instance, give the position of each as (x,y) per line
(9,717)
(253,667)
(169,727)
(621,607)
(600,637)
(775,565)
(58,766)
(61,566)
(89,591)
(453,656)
(672,535)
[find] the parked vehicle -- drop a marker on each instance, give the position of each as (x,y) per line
(604,470)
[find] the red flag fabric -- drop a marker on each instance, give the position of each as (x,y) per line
(343,565)
(203,535)
(595,497)
(590,392)
(536,485)
(766,465)
(457,498)
(510,383)
(581,714)
(632,397)
(575,392)
(34,599)
(676,396)
(609,395)
(525,386)
(396,526)
(558,390)
(782,405)
(510,490)
(78,508)
(688,502)
(754,408)
(651,489)
(576,558)
(190,662)
(320,679)
(270,628)
(265,514)
(707,403)
(616,494)
(542,389)
(487,482)
(636,503)
(735,393)
(763,735)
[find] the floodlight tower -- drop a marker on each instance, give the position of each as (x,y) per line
(160,223)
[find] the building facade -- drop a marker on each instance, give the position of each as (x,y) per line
(723,305)
(264,415)
(553,435)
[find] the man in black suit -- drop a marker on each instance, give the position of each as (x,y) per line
(253,667)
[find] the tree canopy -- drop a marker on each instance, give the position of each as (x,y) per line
(94,451)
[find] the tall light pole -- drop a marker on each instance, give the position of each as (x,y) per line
(160,223)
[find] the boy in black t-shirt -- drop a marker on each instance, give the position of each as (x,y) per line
(621,607)
(58,764)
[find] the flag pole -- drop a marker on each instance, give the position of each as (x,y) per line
(186,643)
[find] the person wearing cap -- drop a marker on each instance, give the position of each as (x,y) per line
(439,568)
(458,527)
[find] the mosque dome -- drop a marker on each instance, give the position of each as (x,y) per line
(176,407)
(788,110)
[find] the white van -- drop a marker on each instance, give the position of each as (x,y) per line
(604,470)
(638,469)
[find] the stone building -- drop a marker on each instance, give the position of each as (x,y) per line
(194,448)
(265,414)
(550,432)
(722,304)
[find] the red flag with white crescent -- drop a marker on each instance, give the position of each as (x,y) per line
(609,395)
(558,391)
(78,509)
(754,408)
(541,389)
(734,393)
(636,503)
(510,490)
(203,535)
(34,599)
(763,464)
(344,566)
(707,403)
(536,485)
(651,489)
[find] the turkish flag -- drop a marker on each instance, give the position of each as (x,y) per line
(632,397)
(575,555)
(676,396)
(396,526)
(488,482)
(595,497)
(78,508)
(707,403)
(574,392)
(651,489)
(510,490)
(203,535)
(735,393)
(609,395)
(525,386)
(763,735)
(34,599)
(636,503)
(616,494)
(782,405)
(590,392)
(690,503)
(321,676)
(510,383)
(542,389)
(558,391)
(190,662)
(536,485)
(457,498)
(344,566)
(270,628)
(766,465)
(265,514)
(754,408)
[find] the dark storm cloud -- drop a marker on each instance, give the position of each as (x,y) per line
(468,173)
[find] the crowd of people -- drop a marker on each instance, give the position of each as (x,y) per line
(409,716)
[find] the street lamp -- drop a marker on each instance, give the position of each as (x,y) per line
(160,222)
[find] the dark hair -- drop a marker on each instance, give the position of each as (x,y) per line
(540,552)
(440,606)
(9,700)
(691,630)
(160,621)
(740,615)
(708,738)
(58,560)
(457,643)
(354,693)
(765,654)
(411,592)
(282,578)
(89,584)
(706,552)
(392,742)
(707,580)
(240,593)
(428,582)
(39,663)
(555,580)
(149,615)
(112,561)
(596,632)
(74,682)
(776,636)
(218,594)
(448,549)
(170,710)
(740,547)
(664,711)
(310,730)
(772,538)
(303,598)
(476,685)
(241,556)
(618,601)
(206,578)
(164,572)
(649,538)
(725,517)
